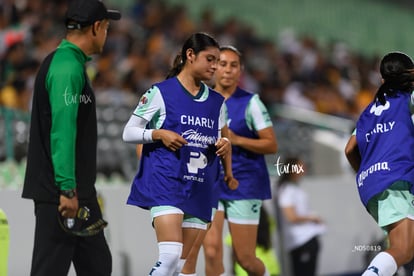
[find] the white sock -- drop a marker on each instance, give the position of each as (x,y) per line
(179,267)
(182,274)
(369,273)
(168,258)
(382,265)
(266,272)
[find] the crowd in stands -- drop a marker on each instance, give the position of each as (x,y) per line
(294,70)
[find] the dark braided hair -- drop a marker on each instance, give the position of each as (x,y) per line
(397,71)
(198,42)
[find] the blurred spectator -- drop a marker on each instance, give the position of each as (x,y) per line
(300,227)
(293,70)
(13,58)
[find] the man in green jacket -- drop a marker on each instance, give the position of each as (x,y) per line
(61,162)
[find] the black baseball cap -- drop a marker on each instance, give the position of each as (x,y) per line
(87,12)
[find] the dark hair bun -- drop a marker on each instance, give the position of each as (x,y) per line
(395,63)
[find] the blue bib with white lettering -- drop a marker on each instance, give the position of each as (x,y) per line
(385,136)
(249,168)
(184,178)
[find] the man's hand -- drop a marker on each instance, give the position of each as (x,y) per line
(68,207)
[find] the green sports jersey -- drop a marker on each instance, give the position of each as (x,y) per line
(63,136)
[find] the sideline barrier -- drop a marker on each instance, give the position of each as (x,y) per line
(4,243)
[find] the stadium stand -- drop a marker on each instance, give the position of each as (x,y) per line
(313,67)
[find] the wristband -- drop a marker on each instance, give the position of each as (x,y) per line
(147,136)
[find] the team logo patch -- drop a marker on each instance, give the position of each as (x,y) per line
(143,100)
(377,110)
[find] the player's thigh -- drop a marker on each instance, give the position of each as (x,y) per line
(243,238)
(167,221)
(401,235)
(214,236)
(243,217)
(192,240)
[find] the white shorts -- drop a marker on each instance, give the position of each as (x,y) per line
(189,221)
(246,211)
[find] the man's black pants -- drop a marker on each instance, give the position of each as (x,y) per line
(54,249)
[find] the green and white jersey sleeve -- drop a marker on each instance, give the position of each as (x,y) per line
(223,116)
(257,116)
(151,107)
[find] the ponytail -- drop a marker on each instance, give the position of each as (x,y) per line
(397,71)
(178,65)
(402,82)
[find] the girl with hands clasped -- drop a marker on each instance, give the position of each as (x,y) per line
(180,122)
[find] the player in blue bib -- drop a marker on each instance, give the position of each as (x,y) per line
(252,136)
(381,151)
(180,122)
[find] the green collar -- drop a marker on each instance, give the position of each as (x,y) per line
(67,44)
